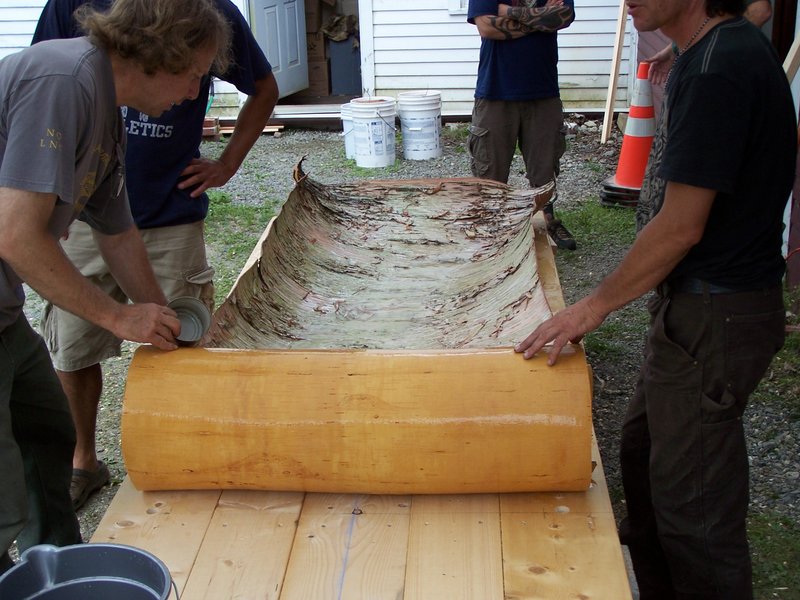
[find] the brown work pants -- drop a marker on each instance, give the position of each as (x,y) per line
(499,125)
(683,452)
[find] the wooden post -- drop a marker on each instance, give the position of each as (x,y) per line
(612,83)
(791,65)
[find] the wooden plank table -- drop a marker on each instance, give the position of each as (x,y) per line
(292,545)
(225,544)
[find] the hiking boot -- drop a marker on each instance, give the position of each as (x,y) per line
(560,235)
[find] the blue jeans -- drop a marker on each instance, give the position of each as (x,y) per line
(37,439)
(683,452)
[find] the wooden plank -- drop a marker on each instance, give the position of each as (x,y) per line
(608,117)
(247,546)
(563,546)
(349,546)
(792,62)
(486,547)
(546,262)
(454,548)
(562,556)
(170,525)
(227,130)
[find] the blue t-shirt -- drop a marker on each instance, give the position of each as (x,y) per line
(159,149)
(525,68)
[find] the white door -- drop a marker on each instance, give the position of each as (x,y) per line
(279,27)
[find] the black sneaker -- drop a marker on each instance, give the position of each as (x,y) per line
(560,235)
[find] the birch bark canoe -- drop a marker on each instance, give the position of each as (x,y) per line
(366,348)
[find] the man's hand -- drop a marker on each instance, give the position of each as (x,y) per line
(205,173)
(148,324)
(660,64)
(567,326)
(254,115)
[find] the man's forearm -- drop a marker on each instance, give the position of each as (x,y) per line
(659,247)
(250,123)
(544,19)
(47,270)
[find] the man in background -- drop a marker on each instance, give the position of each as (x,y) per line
(517,100)
(62,145)
(167,179)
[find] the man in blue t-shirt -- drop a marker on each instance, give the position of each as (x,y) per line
(166,179)
(517,99)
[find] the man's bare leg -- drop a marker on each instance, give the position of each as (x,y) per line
(83,389)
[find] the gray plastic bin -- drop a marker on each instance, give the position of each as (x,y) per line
(86,572)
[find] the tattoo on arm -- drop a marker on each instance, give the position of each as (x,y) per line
(508,27)
(548,18)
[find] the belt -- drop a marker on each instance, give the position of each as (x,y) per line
(692,285)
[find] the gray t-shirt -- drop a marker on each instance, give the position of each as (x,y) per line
(61,133)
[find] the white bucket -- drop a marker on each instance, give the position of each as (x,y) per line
(373,129)
(421,122)
(347,131)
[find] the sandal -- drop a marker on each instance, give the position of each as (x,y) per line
(85,483)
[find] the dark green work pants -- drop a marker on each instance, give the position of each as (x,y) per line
(37,439)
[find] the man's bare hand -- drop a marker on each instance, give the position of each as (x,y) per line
(660,64)
(567,326)
(204,173)
(148,324)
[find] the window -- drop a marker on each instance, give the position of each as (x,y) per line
(457,7)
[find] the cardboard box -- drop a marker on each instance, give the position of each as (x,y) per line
(315,46)
(319,79)
(313,16)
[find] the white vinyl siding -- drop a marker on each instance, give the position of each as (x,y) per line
(421,44)
(17,22)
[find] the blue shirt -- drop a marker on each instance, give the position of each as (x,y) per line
(525,68)
(159,149)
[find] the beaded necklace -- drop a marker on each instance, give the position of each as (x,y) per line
(679,53)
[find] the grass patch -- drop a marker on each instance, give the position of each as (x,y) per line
(781,384)
(775,549)
(595,225)
(612,341)
(456,132)
(367,172)
(232,231)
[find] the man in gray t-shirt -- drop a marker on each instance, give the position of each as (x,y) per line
(61,158)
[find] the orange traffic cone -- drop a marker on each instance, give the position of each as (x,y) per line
(623,188)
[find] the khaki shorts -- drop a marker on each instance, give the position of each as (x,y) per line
(178,257)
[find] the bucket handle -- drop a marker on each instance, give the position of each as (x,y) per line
(389,125)
(175,587)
